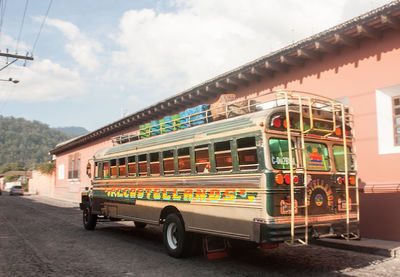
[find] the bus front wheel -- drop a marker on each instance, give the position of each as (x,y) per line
(176,239)
(89,219)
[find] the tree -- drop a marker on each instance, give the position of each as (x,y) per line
(11,178)
(26,142)
(46,168)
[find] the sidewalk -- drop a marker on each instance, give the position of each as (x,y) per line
(384,248)
(53,201)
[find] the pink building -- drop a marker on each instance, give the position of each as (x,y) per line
(355,62)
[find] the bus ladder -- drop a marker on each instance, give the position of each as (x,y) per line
(348,119)
(296,169)
(338,112)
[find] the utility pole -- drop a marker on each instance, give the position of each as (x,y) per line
(15,56)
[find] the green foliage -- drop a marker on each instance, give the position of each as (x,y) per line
(26,142)
(11,178)
(11,167)
(46,168)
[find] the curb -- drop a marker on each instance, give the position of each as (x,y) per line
(367,246)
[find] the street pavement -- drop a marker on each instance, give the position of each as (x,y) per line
(40,236)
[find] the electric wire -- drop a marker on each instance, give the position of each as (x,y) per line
(41,27)
(22,25)
(3,5)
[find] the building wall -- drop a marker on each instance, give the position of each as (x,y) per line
(356,74)
(68,187)
(359,74)
(41,184)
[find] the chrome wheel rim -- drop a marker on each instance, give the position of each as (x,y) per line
(172,235)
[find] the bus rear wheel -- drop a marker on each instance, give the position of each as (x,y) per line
(176,239)
(89,219)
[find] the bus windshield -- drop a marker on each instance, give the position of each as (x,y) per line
(279,149)
(338,154)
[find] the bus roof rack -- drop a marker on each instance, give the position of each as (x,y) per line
(237,107)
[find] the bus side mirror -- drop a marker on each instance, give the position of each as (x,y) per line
(89,170)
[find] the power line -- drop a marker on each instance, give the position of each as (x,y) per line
(22,25)
(3,5)
(41,26)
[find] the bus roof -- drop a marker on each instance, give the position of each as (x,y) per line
(205,130)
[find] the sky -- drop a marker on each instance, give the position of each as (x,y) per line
(98,60)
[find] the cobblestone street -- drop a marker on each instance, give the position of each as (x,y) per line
(47,239)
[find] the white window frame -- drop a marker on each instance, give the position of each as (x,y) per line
(61,172)
(385,123)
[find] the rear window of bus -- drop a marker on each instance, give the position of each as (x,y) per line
(279,149)
(317,156)
(338,155)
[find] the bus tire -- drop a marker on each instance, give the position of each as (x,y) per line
(89,219)
(139,225)
(176,239)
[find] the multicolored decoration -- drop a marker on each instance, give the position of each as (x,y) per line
(318,198)
(180,195)
(315,157)
(286,207)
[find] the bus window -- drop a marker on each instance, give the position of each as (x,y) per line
(132,165)
(142,165)
(106,167)
(279,150)
(184,160)
(168,162)
(121,167)
(202,158)
(223,156)
(247,153)
(338,155)
(113,165)
(317,156)
(96,170)
(154,164)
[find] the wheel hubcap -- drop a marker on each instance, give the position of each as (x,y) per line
(172,236)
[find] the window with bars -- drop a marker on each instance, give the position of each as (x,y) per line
(168,162)
(396,119)
(74,166)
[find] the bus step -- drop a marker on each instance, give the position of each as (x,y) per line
(299,187)
(354,221)
(297,242)
(215,247)
(301,226)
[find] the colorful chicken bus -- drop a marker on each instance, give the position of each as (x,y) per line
(283,172)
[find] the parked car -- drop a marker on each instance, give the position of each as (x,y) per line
(16,190)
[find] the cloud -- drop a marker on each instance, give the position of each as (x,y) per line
(42,81)
(7,42)
(162,53)
(83,49)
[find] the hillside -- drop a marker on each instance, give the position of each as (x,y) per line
(27,142)
(72,130)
